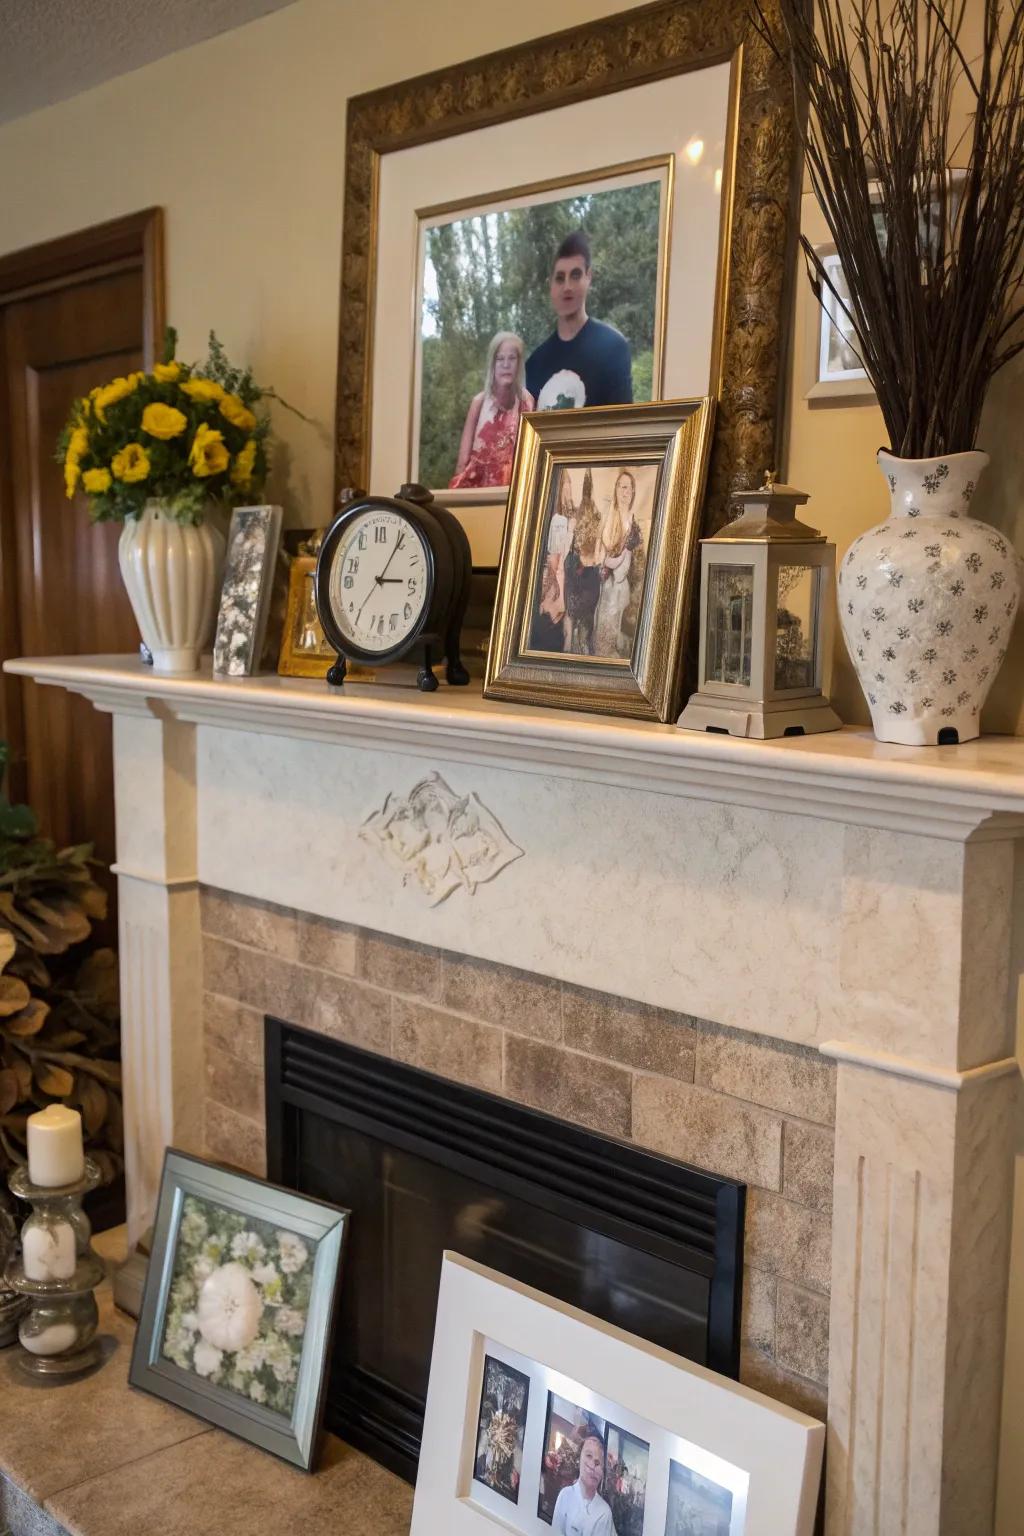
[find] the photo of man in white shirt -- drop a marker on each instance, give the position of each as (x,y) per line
(579,1509)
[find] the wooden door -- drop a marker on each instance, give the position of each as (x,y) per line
(72,315)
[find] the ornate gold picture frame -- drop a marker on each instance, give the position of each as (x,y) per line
(598,558)
(609,56)
(304,648)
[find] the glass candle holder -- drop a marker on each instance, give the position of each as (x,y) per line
(58,1274)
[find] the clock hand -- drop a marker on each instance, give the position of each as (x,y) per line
(392,555)
(390,580)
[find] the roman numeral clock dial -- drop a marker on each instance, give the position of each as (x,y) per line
(393,575)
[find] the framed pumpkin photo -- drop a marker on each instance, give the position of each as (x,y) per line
(598,564)
(238,1305)
(599,217)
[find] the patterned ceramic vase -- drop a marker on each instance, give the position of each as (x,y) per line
(172,572)
(927,602)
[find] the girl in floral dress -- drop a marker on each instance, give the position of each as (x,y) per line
(492,421)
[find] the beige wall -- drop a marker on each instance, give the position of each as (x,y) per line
(241,141)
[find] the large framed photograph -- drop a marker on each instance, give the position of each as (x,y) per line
(598,564)
(238,1305)
(543,1419)
(596,218)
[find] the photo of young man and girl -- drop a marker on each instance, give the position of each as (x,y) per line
(544,313)
(593,556)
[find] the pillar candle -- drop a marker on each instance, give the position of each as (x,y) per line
(55,1153)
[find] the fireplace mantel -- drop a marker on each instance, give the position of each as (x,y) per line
(844,775)
(830,892)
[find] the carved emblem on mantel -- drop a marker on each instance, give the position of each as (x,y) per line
(442,840)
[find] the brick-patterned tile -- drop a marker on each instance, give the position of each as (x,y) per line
(234,1084)
(326,945)
(802,1332)
(757,1327)
(440,1042)
(785,1078)
(788,1240)
(348,1010)
(232,1139)
(649,1039)
(499,994)
(399,966)
(709,1130)
(767,1376)
(574,1087)
(233,1028)
(808,1156)
(247,921)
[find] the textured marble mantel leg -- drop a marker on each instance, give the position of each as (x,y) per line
(923,1188)
(161,956)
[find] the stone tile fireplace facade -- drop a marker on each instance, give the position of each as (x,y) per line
(751,1109)
(848,914)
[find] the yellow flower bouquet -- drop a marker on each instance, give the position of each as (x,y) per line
(185,433)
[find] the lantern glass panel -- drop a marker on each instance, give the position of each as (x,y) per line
(730,624)
(796,633)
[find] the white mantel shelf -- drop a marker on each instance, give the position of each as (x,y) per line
(845,775)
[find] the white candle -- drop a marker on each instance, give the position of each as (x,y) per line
(55,1153)
(48,1253)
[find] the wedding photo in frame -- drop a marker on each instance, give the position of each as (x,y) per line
(542,1418)
(472,192)
(599,557)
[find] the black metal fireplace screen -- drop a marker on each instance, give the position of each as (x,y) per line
(425,1164)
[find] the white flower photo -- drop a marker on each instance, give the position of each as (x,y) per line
(238,1303)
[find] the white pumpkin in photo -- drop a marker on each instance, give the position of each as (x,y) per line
(229,1308)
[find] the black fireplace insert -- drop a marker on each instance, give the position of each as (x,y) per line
(425,1164)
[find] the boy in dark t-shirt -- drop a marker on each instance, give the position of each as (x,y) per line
(583,361)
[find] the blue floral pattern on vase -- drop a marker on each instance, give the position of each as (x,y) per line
(927,611)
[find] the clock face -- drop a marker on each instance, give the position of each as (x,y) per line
(379,582)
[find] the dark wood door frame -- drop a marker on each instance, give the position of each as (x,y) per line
(135,241)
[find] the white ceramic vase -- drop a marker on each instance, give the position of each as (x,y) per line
(927,601)
(173,572)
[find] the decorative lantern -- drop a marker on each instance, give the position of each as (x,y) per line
(766,589)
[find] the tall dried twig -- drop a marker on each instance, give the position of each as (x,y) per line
(928,223)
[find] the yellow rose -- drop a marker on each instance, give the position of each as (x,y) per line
(78,443)
(96,481)
(131,463)
(203,390)
(71,474)
(241,469)
(209,455)
(111,393)
(163,421)
(239,415)
(167,373)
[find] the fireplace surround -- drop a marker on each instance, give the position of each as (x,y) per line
(830,899)
(426,1165)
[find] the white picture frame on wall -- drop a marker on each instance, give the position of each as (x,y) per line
(681,1437)
(832,366)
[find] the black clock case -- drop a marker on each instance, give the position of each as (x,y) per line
(449,568)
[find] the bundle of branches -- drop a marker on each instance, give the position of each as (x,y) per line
(915,148)
(59,1034)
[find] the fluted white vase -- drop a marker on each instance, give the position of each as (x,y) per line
(927,601)
(172,572)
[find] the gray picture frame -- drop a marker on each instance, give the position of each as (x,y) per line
(294,1438)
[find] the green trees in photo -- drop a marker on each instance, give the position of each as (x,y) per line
(492,272)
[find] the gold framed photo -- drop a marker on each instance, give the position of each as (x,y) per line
(304,648)
(601,216)
(599,558)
